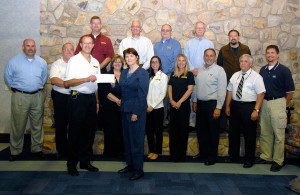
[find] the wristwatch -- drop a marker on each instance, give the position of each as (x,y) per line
(257,110)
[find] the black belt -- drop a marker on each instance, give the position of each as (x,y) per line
(31,93)
(241,102)
(272,98)
(75,93)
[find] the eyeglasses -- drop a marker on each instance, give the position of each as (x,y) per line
(135,27)
(165,30)
(69,50)
(88,43)
(154,62)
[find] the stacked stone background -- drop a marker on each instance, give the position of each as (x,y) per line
(260,23)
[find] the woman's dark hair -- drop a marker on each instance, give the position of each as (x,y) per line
(132,51)
(151,71)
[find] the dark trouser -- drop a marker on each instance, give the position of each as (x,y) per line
(134,137)
(207,129)
(154,130)
(178,133)
(61,118)
(113,133)
(82,128)
(240,122)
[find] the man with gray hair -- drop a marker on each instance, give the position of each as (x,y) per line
(60,96)
(141,44)
(245,94)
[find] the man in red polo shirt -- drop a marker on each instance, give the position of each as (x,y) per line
(103,50)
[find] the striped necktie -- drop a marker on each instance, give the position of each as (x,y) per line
(240,87)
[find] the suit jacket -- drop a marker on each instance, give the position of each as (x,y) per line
(134,91)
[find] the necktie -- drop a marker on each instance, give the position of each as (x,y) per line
(240,87)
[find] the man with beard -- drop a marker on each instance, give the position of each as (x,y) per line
(228,58)
(210,90)
(273,119)
(230,54)
(26,75)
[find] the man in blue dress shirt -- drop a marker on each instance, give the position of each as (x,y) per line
(167,50)
(26,75)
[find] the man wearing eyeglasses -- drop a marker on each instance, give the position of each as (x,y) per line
(141,44)
(83,106)
(167,50)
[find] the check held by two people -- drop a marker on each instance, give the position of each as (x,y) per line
(105,78)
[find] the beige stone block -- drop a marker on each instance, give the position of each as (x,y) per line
(43,5)
(254,3)
(221,15)
(50,40)
(255,46)
(207,17)
(193,6)
(222,39)
(94,6)
(81,19)
(260,60)
(118,29)
(56,50)
(259,23)
(52,4)
(74,31)
(152,4)
(210,35)
(295,29)
(162,17)
(232,24)
(255,12)
(71,9)
(48,120)
(43,29)
(218,5)
(278,6)
(274,20)
(288,17)
(59,10)
(183,23)
(47,18)
(265,35)
(58,30)
(266,8)
(275,32)
(293,54)
(133,6)
(176,5)
(240,3)
(249,32)
(45,51)
(286,28)
(235,12)
(216,27)
(154,36)
(246,20)
(65,21)
(143,14)
(111,6)
(286,41)
(149,25)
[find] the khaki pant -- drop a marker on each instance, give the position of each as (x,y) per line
(273,121)
(22,107)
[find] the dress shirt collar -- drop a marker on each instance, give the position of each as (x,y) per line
(166,40)
(27,57)
(134,38)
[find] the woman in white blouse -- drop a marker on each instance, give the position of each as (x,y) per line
(155,111)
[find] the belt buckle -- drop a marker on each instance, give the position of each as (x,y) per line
(74,94)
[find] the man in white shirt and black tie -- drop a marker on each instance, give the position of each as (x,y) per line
(245,94)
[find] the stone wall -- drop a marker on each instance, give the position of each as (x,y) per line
(260,23)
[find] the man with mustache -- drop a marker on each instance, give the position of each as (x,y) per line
(228,58)
(26,75)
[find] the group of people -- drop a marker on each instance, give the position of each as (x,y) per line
(153,85)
